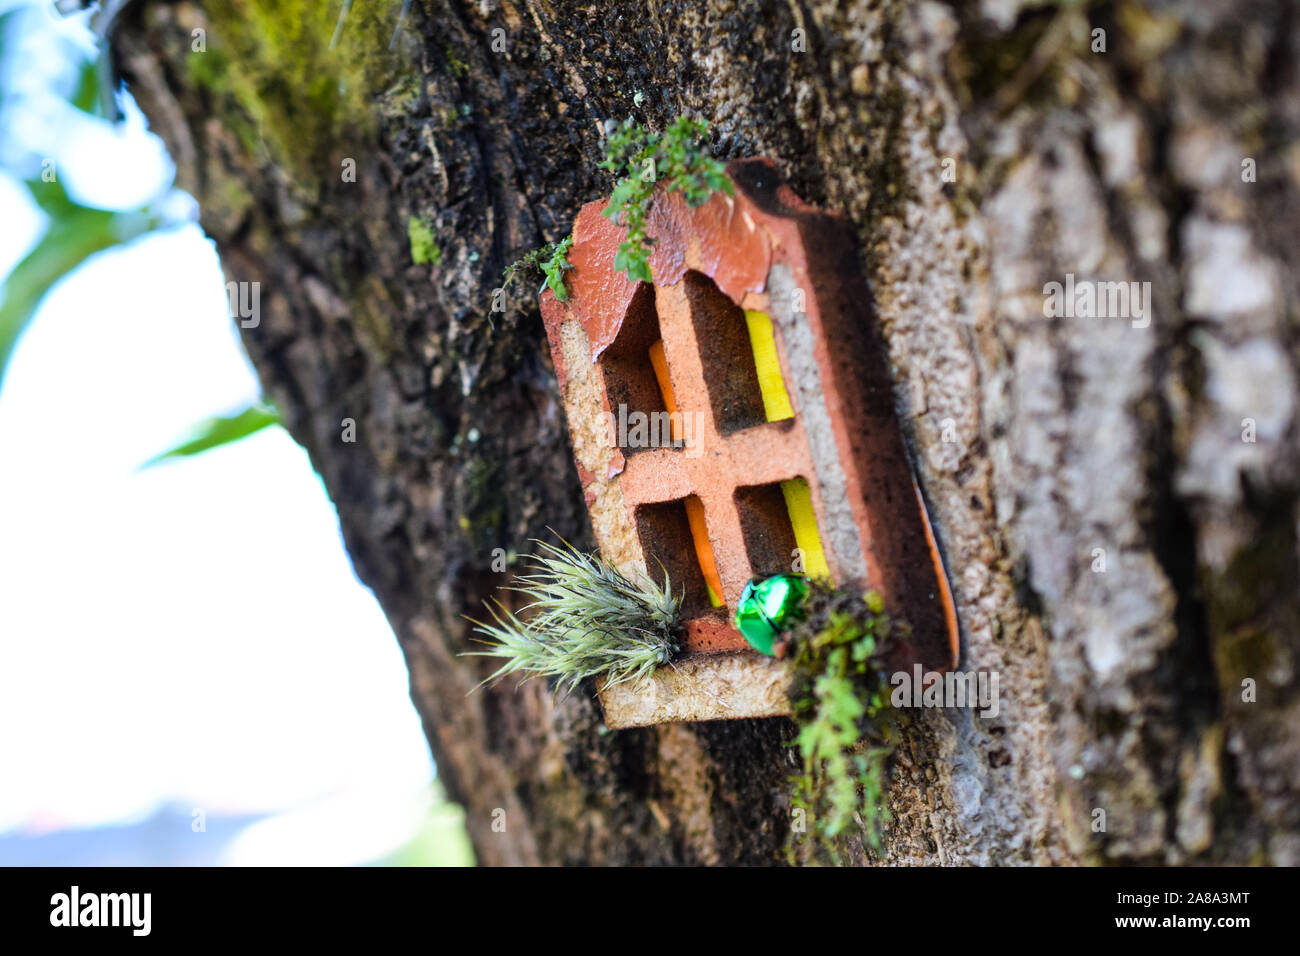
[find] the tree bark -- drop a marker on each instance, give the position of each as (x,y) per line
(1121,555)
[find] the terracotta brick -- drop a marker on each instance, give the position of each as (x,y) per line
(766,251)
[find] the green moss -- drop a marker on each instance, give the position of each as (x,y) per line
(676,156)
(839,701)
(552,260)
(271,60)
(454,63)
(401,98)
(424,250)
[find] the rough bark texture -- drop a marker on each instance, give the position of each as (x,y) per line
(1037,440)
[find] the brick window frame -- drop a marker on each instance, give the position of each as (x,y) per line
(761,251)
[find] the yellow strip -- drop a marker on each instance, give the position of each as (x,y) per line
(762,339)
(776,405)
(666,388)
(798,501)
(704,550)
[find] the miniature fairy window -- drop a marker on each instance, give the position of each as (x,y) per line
(732,420)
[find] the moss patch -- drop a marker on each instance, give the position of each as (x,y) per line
(846,735)
(295,95)
(424,249)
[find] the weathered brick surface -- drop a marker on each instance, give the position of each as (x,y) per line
(766,251)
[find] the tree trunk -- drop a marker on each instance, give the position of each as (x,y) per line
(1115,497)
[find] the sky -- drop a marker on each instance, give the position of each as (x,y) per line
(190,635)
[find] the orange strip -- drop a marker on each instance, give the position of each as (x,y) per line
(945,593)
(666,388)
(704,550)
(694,507)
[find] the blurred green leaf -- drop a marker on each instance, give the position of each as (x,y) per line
(75,233)
(216,432)
(89,96)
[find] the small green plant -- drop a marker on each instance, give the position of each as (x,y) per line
(677,155)
(552,260)
(642,158)
(587,620)
(839,702)
(556,264)
(424,250)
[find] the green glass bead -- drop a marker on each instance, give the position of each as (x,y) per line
(768,607)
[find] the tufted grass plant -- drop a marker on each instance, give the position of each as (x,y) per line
(587,620)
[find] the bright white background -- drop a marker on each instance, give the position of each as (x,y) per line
(189,636)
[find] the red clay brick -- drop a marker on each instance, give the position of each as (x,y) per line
(750,251)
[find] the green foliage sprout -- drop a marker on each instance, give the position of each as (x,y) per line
(556,264)
(294,80)
(841,707)
(552,260)
(587,620)
(643,158)
(676,156)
